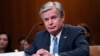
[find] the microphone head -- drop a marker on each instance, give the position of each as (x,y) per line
(41,23)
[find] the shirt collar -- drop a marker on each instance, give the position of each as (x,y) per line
(58,36)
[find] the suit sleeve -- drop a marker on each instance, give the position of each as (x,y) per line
(32,49)
(81,47)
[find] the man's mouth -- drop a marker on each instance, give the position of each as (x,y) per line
(51,27)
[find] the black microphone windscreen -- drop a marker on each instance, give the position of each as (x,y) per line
(41,23)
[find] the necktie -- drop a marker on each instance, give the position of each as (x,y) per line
(55,48)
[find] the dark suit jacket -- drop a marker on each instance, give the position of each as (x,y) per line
(72,42)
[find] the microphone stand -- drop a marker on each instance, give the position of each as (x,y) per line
(31,32)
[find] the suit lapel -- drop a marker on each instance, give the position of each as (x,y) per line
(47,41)
(63,38)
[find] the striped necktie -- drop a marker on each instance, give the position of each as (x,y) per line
(55,47)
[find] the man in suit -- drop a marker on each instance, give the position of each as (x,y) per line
(58,39)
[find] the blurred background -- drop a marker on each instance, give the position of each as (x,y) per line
(18,16)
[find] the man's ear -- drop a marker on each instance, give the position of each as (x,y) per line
(63,17)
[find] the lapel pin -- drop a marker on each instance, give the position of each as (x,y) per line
(65,37)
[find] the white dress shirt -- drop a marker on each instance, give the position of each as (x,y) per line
(52,41)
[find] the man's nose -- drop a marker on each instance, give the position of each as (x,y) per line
(50,22)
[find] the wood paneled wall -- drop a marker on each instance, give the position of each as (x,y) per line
(18,16)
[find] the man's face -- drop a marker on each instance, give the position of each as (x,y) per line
(53,21)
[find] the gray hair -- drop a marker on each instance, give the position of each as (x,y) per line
(49,5)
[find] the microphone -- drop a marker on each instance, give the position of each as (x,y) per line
(40,23)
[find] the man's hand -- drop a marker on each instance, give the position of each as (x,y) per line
(35,55)
(42,52)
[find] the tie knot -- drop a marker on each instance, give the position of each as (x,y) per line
(54,38)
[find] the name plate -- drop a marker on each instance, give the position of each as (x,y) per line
(20,53)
